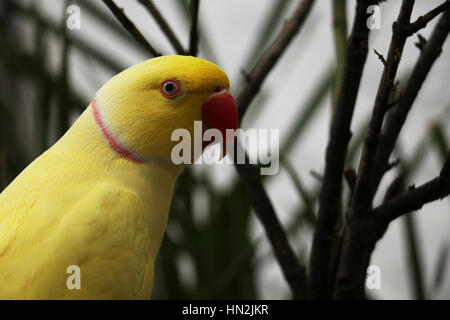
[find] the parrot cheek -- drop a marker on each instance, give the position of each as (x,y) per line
(219,112)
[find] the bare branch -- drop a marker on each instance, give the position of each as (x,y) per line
(397,118)
(193,38)
(364,229)
(259,72)
(340,44)
(165,27)
(294,273)
(330,198)
(422,21)
(130,27)
(363,193)
(381,57)
(415,198)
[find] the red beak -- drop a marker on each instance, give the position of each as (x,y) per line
(219,112)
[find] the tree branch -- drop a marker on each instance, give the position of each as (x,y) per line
(414,199)
(165,27)
(259,72)
(365,188)
(380,57)
(397,117)
(329,203)
(294,273)
(363,193)
(193,38)
(340,44)
(422,21)
(362,229)
(130,27)
(249,175)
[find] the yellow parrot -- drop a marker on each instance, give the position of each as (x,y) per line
(95,205)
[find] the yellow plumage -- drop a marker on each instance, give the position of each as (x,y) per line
(81,203)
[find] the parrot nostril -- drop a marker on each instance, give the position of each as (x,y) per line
(218,89)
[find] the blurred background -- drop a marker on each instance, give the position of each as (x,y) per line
(214,246)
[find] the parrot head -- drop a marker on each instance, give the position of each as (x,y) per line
(139,109)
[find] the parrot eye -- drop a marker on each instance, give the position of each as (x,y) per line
(171,88)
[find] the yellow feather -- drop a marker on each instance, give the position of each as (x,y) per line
(80,203)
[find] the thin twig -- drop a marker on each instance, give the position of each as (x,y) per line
(340,43)
(381,57)
(130,27)
(63,95)
(104,17)
(165,27)
(397,117)
(265,33)
(209,50)
(294,273)
(362,229)
(412,200)
(363,193)
(422,21)
(330,198)
(365,187)
(259,72)
(193,37)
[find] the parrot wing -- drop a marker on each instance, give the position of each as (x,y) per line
(101,229)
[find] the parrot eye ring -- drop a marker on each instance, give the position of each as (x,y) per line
(171,88)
